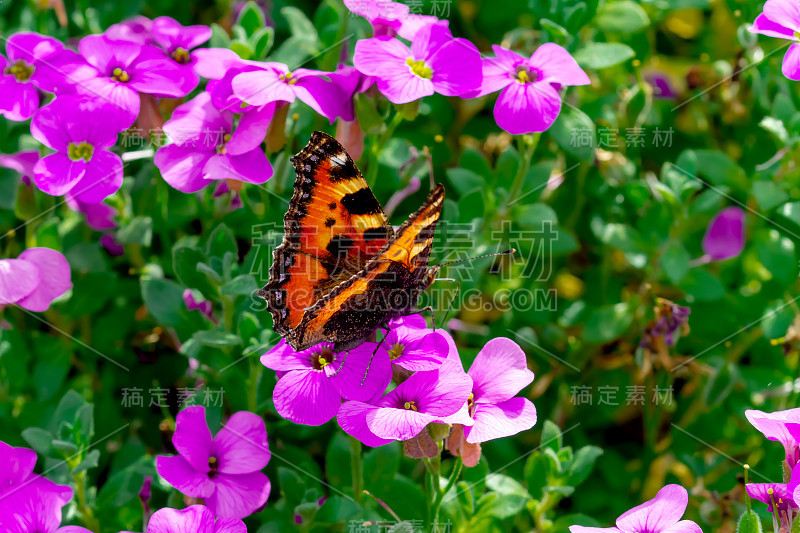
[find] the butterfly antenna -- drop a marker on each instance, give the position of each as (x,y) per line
(507,252)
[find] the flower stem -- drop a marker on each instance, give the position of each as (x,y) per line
(252,384)
(86,512)
(527,145)
(357,468)
(454,475)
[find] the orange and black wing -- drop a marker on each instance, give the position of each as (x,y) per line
(333,227)
(388,287)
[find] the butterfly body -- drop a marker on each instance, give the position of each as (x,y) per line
(342,271)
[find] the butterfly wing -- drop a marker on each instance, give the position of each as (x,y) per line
(389,286)
(333,227)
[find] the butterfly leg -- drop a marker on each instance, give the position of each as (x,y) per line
(369,364)
(341,365)
(449,308)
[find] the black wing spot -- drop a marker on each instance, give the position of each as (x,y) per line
(361,202)
(375,234)
(339,245)
(329,222)
(332,206)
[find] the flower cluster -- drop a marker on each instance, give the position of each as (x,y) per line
(430,387)
(115,78)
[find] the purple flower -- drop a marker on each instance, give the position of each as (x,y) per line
(193,519)
(770,493)
(34,279)
(662,514)
(80,130)
(193,304)
(99,216)
(135,29)
(662,86)
(435,63)
(724,237)
(254,120)
(225,469)
(22,162)
(274,82)
(424,397)
(117,71)
(29,502)
(529,101)
(206,147)
(111,245)
(25,71)
(413,346)
(178,42)
(671,322)
(390,18)
(315,380)
(781,18)
(781,426)
(498,373)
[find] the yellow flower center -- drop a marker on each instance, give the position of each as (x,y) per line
(411,405)
(20,70)
(396,351)
(221,148)
(419,68)
(525,76)
(212,466)
(181,55)
(288,78)
(120,75)
(323,358)
(84,151)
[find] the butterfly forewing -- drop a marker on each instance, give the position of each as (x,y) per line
(333,227)
(389,286)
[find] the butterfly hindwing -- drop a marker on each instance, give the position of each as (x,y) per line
(389,286)
(333,227)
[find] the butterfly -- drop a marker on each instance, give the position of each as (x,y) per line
(341,271)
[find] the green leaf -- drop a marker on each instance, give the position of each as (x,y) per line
(219,37)
(624,16)
(575,133)
(536,468)
(724,377)
(675,261)
(535,215)
(39,439)
(185,261)
(776,253)
(551,436)
(90,461)
(244,284)
(138,231)
(262,41)
(251,18)
(337,509)
(603,55)
(582,464)
(164,300)
(703,285)
(213,337)
(464,180)
(607,323)
(220,241)
(768,194)
(124,485)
